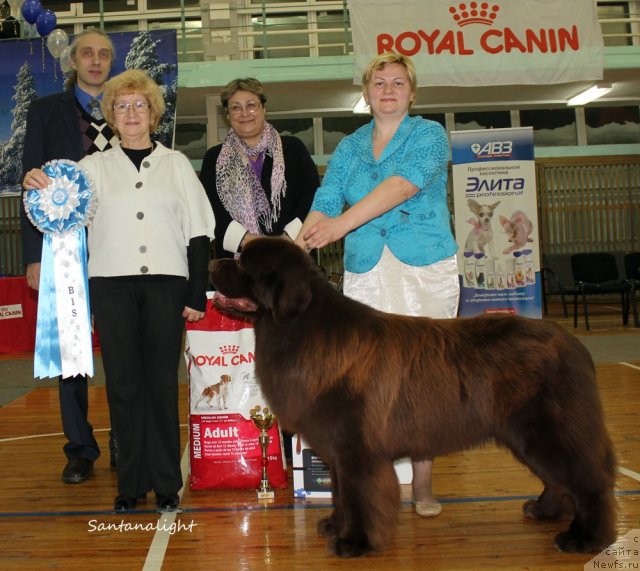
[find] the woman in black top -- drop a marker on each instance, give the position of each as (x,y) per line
(259,183)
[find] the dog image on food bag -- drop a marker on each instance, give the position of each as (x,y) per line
(218,391)
(365,387)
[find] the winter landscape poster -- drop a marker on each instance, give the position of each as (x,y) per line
(28,71)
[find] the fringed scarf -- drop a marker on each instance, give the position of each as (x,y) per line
(239,188)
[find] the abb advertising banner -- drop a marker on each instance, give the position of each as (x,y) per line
(482,43)
(224,447)
(496,221)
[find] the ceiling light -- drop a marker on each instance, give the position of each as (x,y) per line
(361,107)
(594,92)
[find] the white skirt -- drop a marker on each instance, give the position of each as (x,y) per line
(395,287)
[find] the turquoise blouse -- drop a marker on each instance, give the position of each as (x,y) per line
(418,231)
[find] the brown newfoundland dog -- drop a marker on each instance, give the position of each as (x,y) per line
(365,388)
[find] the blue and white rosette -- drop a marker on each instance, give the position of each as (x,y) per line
(61,212)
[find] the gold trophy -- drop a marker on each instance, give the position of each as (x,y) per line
(263,420)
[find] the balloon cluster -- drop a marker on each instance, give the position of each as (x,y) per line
(44,22)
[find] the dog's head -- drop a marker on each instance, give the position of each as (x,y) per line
(272,275)
(484,212)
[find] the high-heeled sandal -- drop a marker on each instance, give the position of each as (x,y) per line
(427,509)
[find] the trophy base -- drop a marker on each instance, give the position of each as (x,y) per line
(266,495)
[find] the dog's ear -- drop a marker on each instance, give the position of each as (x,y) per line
(285,296)
(495,205)
(473,206)
(291,300)
(520,218)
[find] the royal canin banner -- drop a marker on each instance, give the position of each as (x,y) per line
(505,42)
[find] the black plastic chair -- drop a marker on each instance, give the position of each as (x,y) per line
(557,279)
(632,271)
(596,273)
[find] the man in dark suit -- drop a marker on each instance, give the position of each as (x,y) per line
(9,26)
(69,125)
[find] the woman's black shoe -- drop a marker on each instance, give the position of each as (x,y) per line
(169,502)
(124,503)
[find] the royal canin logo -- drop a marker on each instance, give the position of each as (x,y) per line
(492,41)
(13,311)
(474,13)
(229,349)
(224,359)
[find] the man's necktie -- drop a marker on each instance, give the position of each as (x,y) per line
(96,113)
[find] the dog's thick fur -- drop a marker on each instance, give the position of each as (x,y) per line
(365,387)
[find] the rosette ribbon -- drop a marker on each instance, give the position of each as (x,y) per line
(61,212)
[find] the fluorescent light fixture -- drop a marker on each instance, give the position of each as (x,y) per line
(361,107)
(594,92)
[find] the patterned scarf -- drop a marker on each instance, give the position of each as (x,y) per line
(239,189)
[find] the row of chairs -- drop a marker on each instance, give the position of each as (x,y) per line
(594,273)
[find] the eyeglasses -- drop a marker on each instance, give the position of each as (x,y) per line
(89,53)
(138,107)
(250,107)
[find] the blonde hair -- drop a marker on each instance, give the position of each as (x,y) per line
(250,84)
(72,76)
(382,60)
(133,81)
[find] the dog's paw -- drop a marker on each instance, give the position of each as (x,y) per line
(535,509)
(570,542)
(326,527)
(532,509)
(349,547)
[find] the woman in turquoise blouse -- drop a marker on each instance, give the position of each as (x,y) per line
(385,193)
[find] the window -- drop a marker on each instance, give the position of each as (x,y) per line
(437,117)
(269,41)
(335,128)
(191,139)
(111,6)
(551,127)
(59,7)
(127,26)
(301,128)
(615,33)
(170,4)
(612,125)
(334,43)
(482,120)
(189,44)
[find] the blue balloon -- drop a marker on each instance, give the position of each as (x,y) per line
(46,22)
(31,9)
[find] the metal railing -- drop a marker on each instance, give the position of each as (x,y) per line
(245,29)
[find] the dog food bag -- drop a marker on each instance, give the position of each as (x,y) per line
(224,448)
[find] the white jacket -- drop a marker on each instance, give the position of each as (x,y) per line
(145,219)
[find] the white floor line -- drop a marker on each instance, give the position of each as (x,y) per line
(629,473)
(166,523)
(629,365)
(29,436)
(13,438)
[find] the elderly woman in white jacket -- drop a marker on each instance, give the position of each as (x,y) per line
(148,256)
